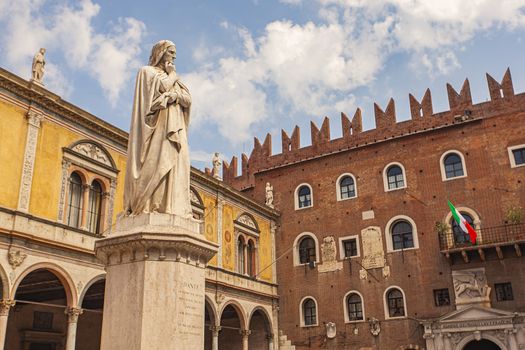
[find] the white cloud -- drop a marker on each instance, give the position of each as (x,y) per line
(313,68)
(69,30)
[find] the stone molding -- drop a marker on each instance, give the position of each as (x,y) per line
(63,188)
(34,120)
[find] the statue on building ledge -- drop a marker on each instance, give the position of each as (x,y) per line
(158,167)
(37,68)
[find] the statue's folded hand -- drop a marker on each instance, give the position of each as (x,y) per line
(172,97)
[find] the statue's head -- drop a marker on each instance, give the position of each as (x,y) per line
(42,50)
(162,51)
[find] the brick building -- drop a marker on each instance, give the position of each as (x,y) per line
(368,254)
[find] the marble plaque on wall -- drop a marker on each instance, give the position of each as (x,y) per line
(373,253)
(329,256)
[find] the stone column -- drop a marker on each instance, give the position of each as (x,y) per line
(511,339)
(24,195)
(429,339)
(5,306)
(72,321)
(245,333)
(270,341)
(155,283)
(446,340)
(220,205)
(215,337)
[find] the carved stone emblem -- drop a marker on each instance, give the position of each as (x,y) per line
(331,330)
(375,327)
(16,258)
(470,287)
(92,151)
(373,253)
(219,298)
(328,253)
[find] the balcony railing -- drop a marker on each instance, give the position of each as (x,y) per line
(495,235)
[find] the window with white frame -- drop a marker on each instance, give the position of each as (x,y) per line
(401,234)
(452,165)
(74,208)
(395,303)
(308,312)
(517,155)
(346,187)
(354,307)
(349,247)
(303,196)
(306,249)
(394,177)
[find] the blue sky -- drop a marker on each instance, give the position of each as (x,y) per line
(258,66)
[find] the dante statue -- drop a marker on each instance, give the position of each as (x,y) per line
(37,69)
(158,166)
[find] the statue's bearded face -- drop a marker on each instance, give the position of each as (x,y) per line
(170,55)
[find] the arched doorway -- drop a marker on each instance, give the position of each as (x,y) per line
(38,321)
(261,331)
(482,344)
(89,327)
(230,336)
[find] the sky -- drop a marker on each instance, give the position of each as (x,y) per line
(258,66)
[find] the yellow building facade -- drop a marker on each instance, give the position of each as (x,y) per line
(62,187)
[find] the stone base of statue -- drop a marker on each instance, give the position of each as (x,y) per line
(154,296)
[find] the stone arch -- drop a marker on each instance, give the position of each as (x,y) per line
(5,283)
(62,275)
(195,197)
(472,337)
(208,302)
(261,332)
(409,346)
(240,312)
(248,220)
(94,280)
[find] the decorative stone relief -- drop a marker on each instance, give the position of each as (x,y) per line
(219,298)
(329,256)
(194,199)
(373,253)
(94,152)
(34,119)
(62,199)
(386,271)
(246,220)
(363,274)
(470,287)
(16,258)
(331,330)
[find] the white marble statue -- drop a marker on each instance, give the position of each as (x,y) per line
(269,195)
(158,167)
(37,69)
(217,162)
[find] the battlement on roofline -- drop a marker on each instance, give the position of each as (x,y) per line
(462,110)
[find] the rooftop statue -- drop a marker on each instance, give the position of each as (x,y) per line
(158,167)
(37,68)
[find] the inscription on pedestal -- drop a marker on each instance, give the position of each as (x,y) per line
(190,298)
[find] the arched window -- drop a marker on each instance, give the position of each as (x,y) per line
(304,196)
(395,177)
(94,207)
(74,207)
(402,236)
(240,257)
(347,187)
(355,307)
(250,255)
(309,312)
(459,235)
(395,302)
(453,166)
(307,250)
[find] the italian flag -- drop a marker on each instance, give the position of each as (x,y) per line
(465,226)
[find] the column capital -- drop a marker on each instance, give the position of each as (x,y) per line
(73,313)
(34,118)
(215,330)
(5,305)
(245,333)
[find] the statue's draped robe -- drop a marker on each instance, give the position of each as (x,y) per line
(158,165)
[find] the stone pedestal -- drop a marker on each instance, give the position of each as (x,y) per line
(154,296)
